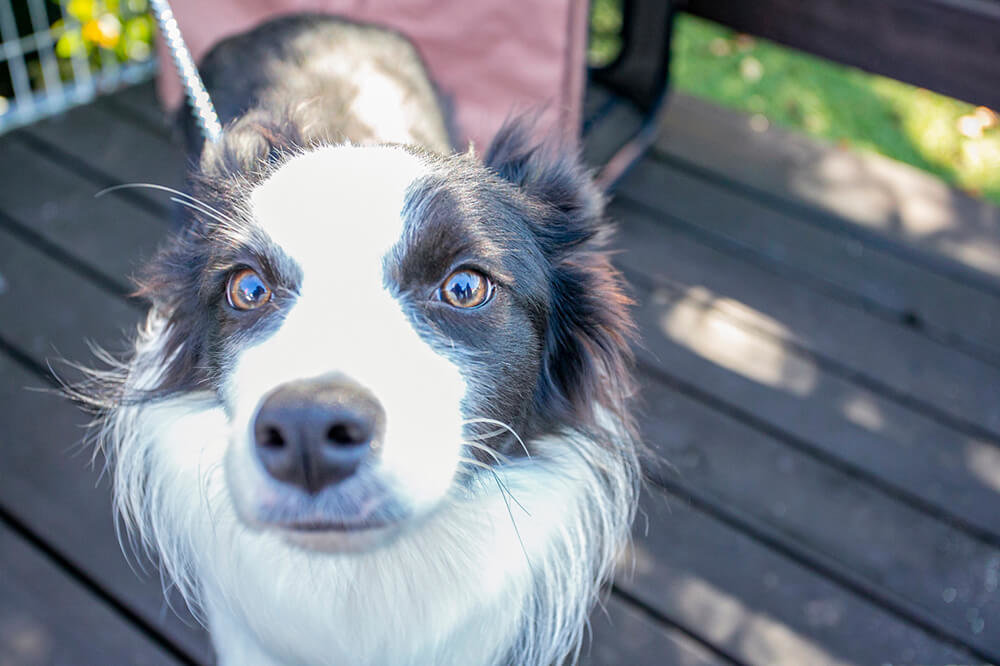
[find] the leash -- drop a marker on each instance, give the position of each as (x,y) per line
(194,87)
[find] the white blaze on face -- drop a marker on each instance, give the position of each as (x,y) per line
(337,211)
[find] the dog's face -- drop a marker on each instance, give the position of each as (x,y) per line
(379,324)
(373,308)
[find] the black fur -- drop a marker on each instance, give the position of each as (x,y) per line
(279,66)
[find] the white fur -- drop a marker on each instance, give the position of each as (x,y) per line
(345,321)
(483,580)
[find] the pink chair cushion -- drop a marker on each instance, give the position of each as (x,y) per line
(491,58)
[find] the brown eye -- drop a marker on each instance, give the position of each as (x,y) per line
(466,289)
(247,290)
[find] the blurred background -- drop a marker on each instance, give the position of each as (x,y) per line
(57,54)
(955,140)
(60,53)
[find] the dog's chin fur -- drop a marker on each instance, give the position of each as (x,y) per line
(503,571)
(495,561)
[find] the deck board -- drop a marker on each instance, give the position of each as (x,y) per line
(76,309)
(897,360)
(621,634)
(105,233)
(864,195)
(50,310)
(129,154)
(873,543)
(758,604)
(771,341)
(823,259)
(832,472)
(46,617)
(139,104)
(49,484)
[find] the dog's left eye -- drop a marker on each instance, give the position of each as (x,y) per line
(247,290)
(466,289)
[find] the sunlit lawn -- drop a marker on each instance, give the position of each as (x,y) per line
(792,89)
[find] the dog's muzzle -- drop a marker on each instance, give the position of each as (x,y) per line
(313,434)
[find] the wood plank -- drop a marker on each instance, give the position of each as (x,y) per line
(907,560)
(45,470)
(47,617)
(46,481)
(107,233)
(119,152)
(48,323)
(771,330)
(48,311)
(946,45)
(139,104)
(899,361)
(933,532)
(623,635)
(757,604)
(843,268)
(861,194)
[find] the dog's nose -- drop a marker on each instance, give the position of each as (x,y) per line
(315,433)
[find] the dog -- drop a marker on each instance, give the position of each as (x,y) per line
(379,410)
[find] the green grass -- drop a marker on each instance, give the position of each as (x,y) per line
(840,104)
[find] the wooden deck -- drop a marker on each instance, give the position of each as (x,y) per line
(820,368)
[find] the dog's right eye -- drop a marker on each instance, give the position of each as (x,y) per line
(466,289)
(247,290)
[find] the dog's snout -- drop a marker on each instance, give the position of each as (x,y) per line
(316,433)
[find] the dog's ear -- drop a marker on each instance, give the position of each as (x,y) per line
(552,173)
(253,143)
(587,359)
(249,149)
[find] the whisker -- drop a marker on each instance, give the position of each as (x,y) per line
(499,457)
(489,435)
(513,522)
(503,486)
(204,211)
(163,188)
(201,205)
(502,425)
(182,198)
(197,202)
(476,463)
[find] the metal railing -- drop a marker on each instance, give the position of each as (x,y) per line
(55,54)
